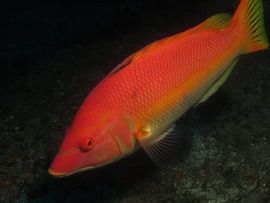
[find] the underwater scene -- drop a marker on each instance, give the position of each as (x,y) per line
(135,101)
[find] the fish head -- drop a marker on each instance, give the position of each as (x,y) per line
(91,143)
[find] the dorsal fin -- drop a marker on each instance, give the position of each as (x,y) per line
(218,21)
(122,65)
(215,22)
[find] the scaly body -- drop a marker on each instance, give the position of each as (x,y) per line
(158,87)
(139,101)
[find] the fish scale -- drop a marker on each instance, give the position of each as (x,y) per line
(169,70)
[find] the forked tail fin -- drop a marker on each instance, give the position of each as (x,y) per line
(249,17)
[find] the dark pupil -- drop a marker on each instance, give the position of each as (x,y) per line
(89,143)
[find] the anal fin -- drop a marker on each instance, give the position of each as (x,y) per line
(217,84)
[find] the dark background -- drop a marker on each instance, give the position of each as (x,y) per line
(53,52)
(33,27)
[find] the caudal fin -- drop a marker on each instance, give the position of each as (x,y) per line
(249,17)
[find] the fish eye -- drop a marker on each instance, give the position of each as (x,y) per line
(86,144)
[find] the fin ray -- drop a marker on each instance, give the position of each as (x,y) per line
(250,18)
(161,148)
(216,22)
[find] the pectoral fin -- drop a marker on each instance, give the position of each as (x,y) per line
(161,148)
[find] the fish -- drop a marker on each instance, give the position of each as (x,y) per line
(137,104)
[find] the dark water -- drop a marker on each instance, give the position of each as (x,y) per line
(52,53)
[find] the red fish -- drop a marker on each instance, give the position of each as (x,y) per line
(138,103)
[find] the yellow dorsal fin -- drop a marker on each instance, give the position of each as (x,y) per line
(215,22)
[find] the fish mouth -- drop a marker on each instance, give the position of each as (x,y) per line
(56,174)
(61,175)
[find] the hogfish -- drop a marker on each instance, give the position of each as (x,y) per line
(138,102)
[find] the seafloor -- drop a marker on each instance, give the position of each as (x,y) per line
(46,73)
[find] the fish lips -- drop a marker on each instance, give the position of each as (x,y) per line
(56,174)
